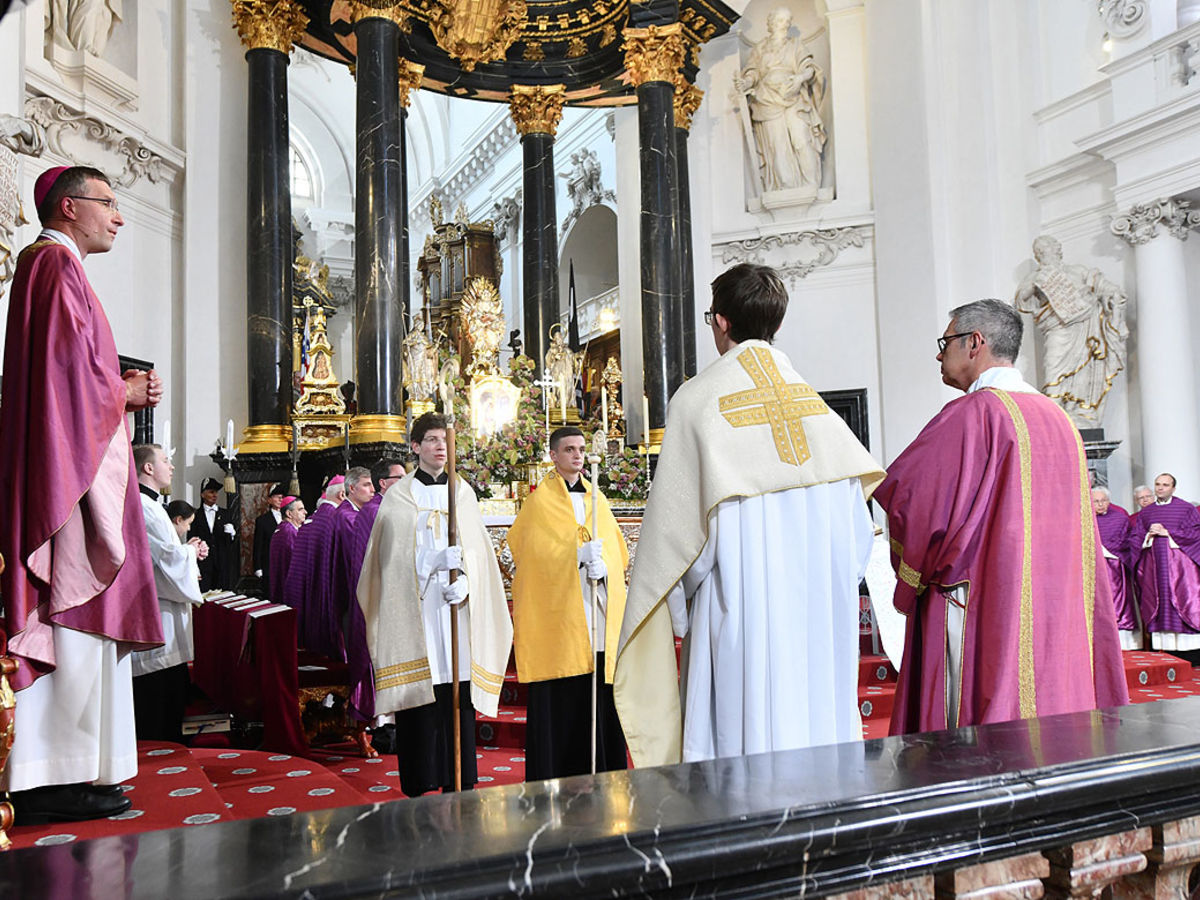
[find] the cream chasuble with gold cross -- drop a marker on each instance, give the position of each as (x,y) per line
(755,538)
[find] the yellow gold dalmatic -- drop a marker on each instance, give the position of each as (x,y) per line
(772,401)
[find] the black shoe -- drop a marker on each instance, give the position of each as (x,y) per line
(64,803)
(107,790)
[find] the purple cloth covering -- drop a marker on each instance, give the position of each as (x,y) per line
(282,543)
(1169,579)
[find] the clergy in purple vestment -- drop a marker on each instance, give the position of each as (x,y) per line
(310,577)
(1120,555)
(282,543)
(347,564)
(1168,568)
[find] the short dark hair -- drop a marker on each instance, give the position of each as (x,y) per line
(180,509)
(1174,483)
(752,299)
(70,183)
(999,323)
(383,469)
(565,431)
(427,422)
(142,454)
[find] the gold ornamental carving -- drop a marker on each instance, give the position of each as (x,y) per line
(269,24)
(654,53)
(687,101)
(476,31)
(482,326)
(537,109)
(411,74)
(380,9)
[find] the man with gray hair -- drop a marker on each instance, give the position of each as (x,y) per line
(1000,568)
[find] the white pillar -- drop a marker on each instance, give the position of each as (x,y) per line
(1167,381)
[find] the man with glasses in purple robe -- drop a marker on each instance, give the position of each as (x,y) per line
(1168,570)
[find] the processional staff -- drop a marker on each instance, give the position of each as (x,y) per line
(599,446)
(446,378)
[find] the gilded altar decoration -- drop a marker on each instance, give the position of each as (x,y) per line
(411,74)
(482,326)
(269,24)
(313,373)
(537,108)
(476,31)
(610,382)
(380,9)
(654,53)
(687,101)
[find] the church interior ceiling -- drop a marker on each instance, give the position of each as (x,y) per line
(478,49)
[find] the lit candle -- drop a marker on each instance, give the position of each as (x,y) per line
(229,437)
(646,417)
(604,408)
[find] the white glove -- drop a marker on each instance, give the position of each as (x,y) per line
(589,553)
(447,559)
(597,570)
(229,530)
(456,592)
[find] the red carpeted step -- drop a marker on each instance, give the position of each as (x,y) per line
(253,783)
(875,700)
(513,693)
(875,670)
(171,789)
(1144,668)
(507,729)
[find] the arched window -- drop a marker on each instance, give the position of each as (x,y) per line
(300,175)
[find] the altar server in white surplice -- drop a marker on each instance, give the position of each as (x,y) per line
(755,538)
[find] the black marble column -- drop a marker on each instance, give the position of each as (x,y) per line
(661,303)
(269,251)
(405,277)
(687,275)
(380,219)
(540,245)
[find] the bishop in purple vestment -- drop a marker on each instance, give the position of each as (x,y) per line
(1168,568)
(282,544)
(310,577)
(1120,555)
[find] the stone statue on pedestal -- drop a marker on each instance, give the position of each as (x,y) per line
(785,88)
(83,24)
(1080,315)
(560,365)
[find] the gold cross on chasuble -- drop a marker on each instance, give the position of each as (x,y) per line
(772,401)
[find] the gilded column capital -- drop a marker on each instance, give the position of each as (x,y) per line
(654,53)
(411,74)
(687,101)
(379,9)
(537,108)
(269,24)
(1140,225)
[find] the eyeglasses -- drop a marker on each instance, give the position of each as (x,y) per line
(708,316)
(110,202)
(943,342)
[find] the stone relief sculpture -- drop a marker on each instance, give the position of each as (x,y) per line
(1080,315)
(585,186)
(784,88)
(83,24)
(17,136)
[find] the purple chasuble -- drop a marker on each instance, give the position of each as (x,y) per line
(1165,574)
(282,542)
(349,556)
(310,585)
(1116,535)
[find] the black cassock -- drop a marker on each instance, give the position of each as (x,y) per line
(220,570)
(264,530)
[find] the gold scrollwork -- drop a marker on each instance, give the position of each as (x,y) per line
(476,31)
(687,101)
(411,74)
(537,108)
(654,53)
(269,24)
(380,10)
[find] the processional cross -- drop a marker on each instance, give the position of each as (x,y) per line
(772,401)
(546,383)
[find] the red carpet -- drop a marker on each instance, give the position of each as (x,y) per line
(176,786)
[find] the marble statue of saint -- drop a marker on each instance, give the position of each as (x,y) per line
(1080,315)
(560,363)
(785,88)
(420,366)
(83,24)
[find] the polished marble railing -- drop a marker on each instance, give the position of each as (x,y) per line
(1063,806)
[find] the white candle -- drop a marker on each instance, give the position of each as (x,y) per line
(604,409)
(229,437)
(166,437)
(646,417)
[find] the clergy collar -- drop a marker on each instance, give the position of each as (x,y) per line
(427,479)
(65,239)
(577,487)
(1166,502)
(149,491)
